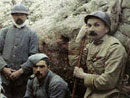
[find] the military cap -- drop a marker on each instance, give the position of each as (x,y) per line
(37,57)
(20,8)
(102,16)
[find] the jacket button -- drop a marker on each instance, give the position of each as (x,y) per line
(14,56)
(15,47)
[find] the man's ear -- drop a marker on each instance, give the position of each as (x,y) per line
(27,16)
(107,29)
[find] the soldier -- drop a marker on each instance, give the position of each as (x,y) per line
(44,83)
(17,43)
(105,58)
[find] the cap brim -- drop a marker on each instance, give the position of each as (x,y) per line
(88,17)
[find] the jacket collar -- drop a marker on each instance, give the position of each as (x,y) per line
(100,41)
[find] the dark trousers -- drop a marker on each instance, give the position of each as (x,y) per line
(13,91)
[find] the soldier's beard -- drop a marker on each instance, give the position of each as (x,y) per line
(19,23)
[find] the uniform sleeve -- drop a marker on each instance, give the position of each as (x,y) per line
(114,65)
(33,49)
(33,45)
(2,41)
(57,90)
(27,67)
(29,91)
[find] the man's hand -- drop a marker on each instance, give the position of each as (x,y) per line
(79,73)
(16,74)
(7,71)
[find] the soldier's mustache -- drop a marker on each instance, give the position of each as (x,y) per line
(93,33)
(38,73)
(19,21)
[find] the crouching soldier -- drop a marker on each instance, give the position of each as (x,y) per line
(44,83)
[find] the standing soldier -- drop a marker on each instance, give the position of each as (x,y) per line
(105,59)
(17,43)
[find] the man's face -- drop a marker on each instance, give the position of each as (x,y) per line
(19,18)
(96,28)
(40,69)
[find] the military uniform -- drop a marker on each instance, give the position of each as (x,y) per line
(16,45)
(105,61)
(52,86)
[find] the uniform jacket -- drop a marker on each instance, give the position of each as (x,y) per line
(105,61)
(52,86)
(16,45)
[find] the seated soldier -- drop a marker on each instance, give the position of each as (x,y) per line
(44,83)
(105,58)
